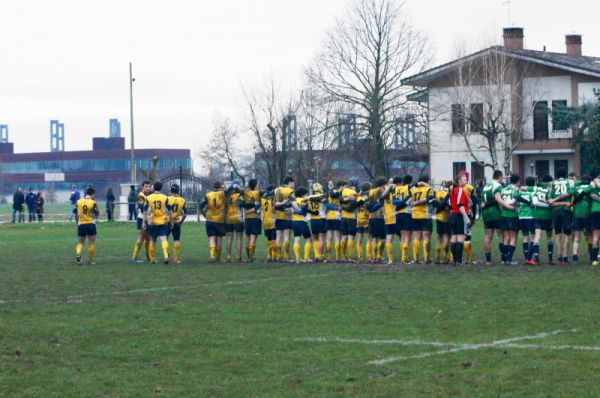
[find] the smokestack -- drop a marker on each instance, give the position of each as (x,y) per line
(513,38)
(573,42)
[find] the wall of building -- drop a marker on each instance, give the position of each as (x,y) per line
(446,147)
(547,88)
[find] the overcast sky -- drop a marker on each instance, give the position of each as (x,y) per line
(68,59)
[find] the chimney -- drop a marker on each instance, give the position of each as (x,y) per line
(513,38)
(573,42)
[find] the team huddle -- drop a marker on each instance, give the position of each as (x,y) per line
(352,223)
(359,223)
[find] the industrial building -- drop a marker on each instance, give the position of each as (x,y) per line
(106,165)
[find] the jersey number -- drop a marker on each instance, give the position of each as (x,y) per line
(157,204)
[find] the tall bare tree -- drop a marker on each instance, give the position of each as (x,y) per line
(492,105)
(269,118)
(224,153)
(317,122)
(362,64)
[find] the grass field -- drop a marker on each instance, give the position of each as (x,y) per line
(200,329)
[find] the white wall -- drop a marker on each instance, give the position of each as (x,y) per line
(586,92)
(529,159)
(550,88)
(446,147)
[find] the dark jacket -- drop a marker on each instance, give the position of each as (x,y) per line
(30,200)
(132,197)
(18,200)
(39,204)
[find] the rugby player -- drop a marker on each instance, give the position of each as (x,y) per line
(317,220)
(142,238)
(492,215)
(86,213)
(157,221)
(234,219)
(510,219)
(179,215)
(268,223)
(213,208)
(422,226)
(300,225)
(252,222)
(562,218)
(284,205)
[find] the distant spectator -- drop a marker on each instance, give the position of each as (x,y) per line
(110,204)
(18,205)
(131,201)
(479,194)
(39,206)
(30,199)
(75,196)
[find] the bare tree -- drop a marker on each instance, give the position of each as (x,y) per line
(312,155)
(362,65)
(269,120)
(224,152)
(492,105)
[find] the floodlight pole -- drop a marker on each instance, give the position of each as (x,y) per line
(132,151)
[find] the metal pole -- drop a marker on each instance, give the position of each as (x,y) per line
(132,151)
(181,180)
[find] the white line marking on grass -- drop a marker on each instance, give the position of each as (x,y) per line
(77,298)
(554,347)
(467,347)
(375,342)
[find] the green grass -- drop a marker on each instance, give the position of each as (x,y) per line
(232,330)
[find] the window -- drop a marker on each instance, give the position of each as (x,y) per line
(477,172)
(540,120)
(457,167)
(561,164)
(476,118)
(458,118)
(542,168)
(558,115)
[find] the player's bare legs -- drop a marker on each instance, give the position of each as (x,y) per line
(389,248)
(417,235)
(79,249)
(239,236)
(576,240)
(488,235)
(250,242)
(286,244)
(406,237)
(359,246)
(218,247)
(212,244)
(595,242)
(328,244)
(229,245)
(426,246)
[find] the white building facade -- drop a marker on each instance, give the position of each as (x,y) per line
(552,80)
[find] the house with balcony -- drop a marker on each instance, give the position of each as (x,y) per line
(549,80)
